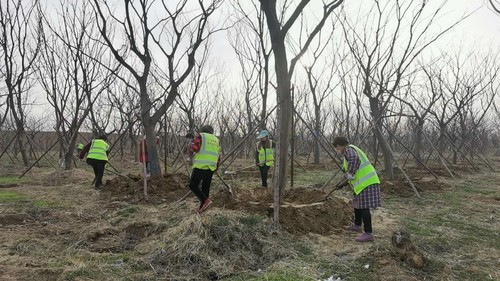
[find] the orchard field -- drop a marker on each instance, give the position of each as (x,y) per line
(413,84)
(55,226)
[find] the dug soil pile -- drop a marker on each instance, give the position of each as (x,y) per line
(302,210)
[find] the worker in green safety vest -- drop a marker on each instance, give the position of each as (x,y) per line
(97,157)
(205,154)
(79,148)
(264,155)
(360,174)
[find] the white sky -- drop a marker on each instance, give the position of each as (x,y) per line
(480,30)
(483,26)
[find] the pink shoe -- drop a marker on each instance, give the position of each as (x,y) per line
(353,228)
(365,237)
(205,205)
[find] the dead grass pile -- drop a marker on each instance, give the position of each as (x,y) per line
(404,249)
(120,238)
(405,258)
(218,244)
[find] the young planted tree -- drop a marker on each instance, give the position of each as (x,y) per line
(253,52)
(151,34)
(474,98)
(495,5)
(496,124)
(20,40)
(461,81)
(322,84)
(419,100)
(279,28)
(70,76)
(231,121)
(125,101)
(190,102)
(4,111)
(349,117)
(384,43)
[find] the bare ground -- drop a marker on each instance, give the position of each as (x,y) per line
(59,228)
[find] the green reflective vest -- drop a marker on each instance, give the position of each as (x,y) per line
(98,150)
(266,155)
(206,158)
(365,175)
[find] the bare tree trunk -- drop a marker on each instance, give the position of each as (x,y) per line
(22,149)
(284,101)
(284,106)
(284,125)
(384,145)
(19,47)
(419,142)
(317,132)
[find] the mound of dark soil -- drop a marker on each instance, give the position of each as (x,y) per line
(302,210)
(421,179)
(130,188)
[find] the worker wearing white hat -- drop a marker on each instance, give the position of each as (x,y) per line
(264,155)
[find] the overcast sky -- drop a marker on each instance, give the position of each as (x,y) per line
(483,25)
(480,30)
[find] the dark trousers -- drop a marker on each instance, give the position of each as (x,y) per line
(363,216)
(263,174)
(205,178)
(147,167)
(98,166)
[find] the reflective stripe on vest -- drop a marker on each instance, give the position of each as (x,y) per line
(98,150)
(365,175)
(266,154)
(206,158)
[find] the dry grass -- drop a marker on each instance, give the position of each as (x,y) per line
(217,245)
(54,227)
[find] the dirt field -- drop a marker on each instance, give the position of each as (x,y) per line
(54,226)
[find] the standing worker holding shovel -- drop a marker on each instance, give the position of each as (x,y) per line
(264,155)
(205,154)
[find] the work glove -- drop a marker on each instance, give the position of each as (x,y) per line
(348,176)
(341,184)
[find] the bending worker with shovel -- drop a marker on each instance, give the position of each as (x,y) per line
(362,177)
(205,149)
(97,157)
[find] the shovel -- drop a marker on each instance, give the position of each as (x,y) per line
(225,183)
(116,173)
(241,169)
(338,186)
